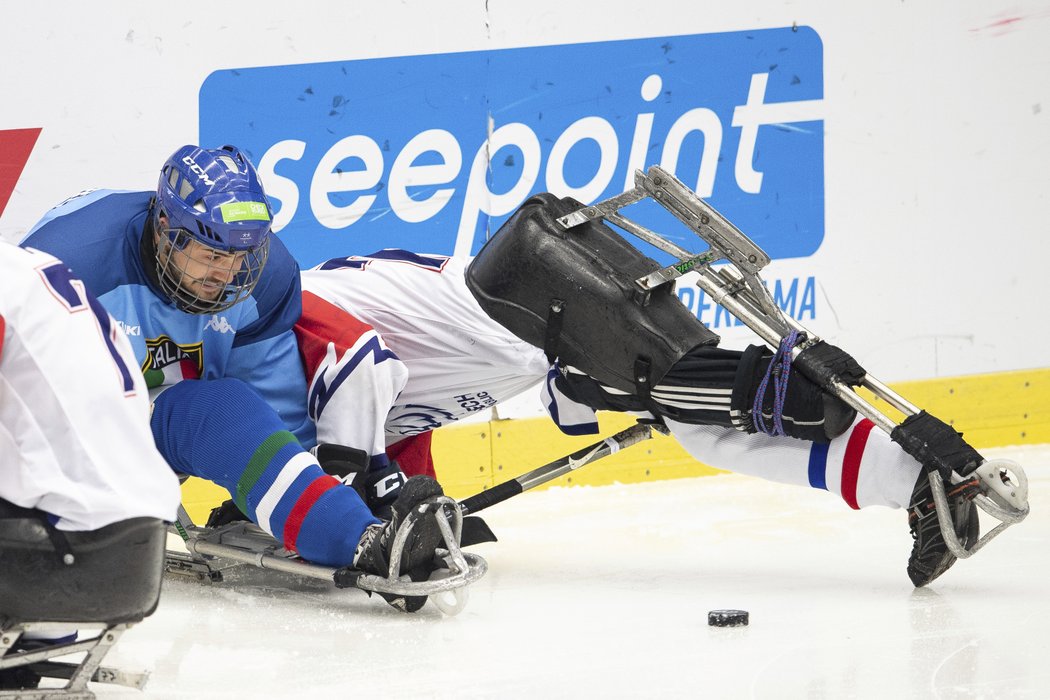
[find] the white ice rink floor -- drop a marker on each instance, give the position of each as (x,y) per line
(604,592)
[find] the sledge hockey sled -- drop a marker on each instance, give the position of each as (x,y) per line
(104,580)
(210,551)
(737,286)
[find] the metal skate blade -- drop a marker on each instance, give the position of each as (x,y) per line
(1004,490)
(476,567)
(450,602)
(1010,514)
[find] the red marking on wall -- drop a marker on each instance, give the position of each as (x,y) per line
(15,147)
(1006,25)
(1004,22)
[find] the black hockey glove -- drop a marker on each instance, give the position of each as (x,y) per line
(378,488)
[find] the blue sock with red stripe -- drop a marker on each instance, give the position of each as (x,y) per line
(223,431)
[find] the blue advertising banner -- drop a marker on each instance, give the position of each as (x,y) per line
(432,153)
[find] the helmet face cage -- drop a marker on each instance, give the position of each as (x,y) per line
(212,222)
(177,253)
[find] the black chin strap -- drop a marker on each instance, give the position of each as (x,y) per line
(148,251)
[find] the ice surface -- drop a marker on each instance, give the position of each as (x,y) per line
(604,592)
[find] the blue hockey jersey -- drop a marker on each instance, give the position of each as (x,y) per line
(98,235)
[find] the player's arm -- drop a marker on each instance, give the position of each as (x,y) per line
(353,378)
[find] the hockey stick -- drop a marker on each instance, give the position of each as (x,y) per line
(738,288)
(638,432)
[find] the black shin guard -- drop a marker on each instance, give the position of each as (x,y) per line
(713,386)
(805,411)
(696,390)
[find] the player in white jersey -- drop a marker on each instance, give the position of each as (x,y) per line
(74,410)
(395,345)
(441,358)
(83,491)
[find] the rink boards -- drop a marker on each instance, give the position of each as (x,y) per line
(992,410)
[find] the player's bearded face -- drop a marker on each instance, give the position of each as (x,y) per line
(200,271)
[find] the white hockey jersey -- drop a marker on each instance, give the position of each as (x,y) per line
(400,334)
(75,440)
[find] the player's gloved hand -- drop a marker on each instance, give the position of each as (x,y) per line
(378,488)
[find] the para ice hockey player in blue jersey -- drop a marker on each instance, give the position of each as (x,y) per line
(207,297)
(191,273)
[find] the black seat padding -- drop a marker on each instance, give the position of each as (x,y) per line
(114,577)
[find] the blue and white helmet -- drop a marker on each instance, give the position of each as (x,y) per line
(212,198)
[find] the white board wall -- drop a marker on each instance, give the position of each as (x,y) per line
(936,136)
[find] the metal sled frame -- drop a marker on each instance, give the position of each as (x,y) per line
(738,287)
(77,674)
(247,543)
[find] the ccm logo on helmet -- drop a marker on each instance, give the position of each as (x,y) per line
(197,169)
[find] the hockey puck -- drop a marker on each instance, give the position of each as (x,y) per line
(728,618)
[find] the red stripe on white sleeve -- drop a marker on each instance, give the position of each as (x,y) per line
(321,324)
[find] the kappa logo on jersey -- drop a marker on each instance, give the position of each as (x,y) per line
(168,362)
(219,324)
(438,164)
(78,195)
